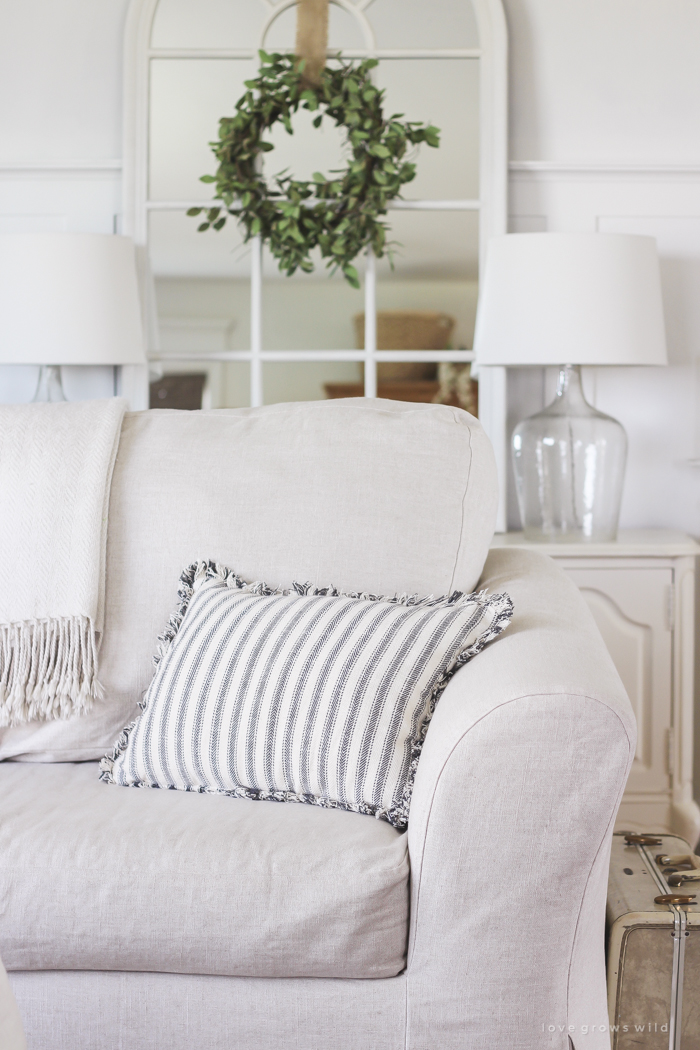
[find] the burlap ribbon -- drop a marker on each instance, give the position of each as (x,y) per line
(312,38)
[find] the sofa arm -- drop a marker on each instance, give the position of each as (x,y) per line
(11,1034)
(515,797)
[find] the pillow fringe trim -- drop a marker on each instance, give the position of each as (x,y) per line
(201,572)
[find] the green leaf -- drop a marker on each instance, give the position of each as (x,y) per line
(194,211)
(339,212)
(207,178)
(351,275)
(202,227)
(310,98)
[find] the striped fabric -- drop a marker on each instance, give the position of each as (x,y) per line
(307,695)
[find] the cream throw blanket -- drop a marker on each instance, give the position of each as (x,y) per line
(56,464)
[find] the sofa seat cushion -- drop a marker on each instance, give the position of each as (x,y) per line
(93,877)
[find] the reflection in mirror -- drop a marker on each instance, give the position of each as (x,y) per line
(202,316)
(344,31)
(208,24)
(445,93)
(202,280)
(188,98)
(415,23)
(442,245)
(307,380)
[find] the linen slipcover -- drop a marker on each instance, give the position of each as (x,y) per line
(526,757)
(368,495)
(98,878)
(175,1011)
(10,1023)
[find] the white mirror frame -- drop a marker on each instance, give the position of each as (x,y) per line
(492,207)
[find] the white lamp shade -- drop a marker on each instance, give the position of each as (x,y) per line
(69,299)
(571,298)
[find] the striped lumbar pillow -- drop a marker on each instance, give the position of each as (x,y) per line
(306,695)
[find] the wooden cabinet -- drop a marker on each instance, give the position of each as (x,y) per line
(641,593)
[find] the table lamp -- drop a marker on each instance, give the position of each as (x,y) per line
(68,299)
(570,299)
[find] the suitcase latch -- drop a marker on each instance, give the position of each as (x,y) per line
(686,860)
(675,898)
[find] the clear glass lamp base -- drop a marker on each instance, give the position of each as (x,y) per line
(569,465)
(50,385)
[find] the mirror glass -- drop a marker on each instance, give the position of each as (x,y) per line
(202,279)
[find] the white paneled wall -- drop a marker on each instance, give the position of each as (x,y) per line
(604,118)
(658,407)
(609,81)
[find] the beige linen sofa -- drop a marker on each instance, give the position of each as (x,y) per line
(146,919)
(11,1034)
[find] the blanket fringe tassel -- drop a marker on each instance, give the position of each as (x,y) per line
(48,669)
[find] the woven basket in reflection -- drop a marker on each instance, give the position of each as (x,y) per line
(407,330)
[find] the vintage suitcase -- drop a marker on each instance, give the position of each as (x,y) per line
(653,943)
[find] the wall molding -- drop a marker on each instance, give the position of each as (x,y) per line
(60,169)
(547,169)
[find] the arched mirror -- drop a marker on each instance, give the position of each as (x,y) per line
(225,313)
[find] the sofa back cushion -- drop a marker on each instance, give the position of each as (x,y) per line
(368,495)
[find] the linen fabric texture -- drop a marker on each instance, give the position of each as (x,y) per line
(10,1023)
(300,695)
(258,488)
(56,463)
(93,878)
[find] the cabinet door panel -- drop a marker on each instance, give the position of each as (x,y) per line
(629,606)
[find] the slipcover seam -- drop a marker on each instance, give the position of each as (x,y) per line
(526,696)
(577,924)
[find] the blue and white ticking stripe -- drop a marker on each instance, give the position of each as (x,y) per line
(306,695)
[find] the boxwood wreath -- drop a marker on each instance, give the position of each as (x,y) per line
(342,213)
